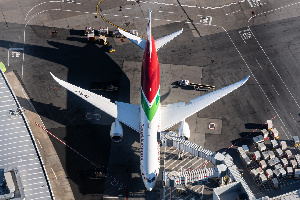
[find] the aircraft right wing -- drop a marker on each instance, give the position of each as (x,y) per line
(174,113)
(141,42)
(164,40)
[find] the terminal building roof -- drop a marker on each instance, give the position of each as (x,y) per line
(18,149)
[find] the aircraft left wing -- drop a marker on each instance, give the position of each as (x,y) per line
(174,113)
(124,112)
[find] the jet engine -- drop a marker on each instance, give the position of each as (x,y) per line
(116,131)
(184,130)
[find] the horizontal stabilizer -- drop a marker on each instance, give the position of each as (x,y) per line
(174,113)
(141,42)
(164,40)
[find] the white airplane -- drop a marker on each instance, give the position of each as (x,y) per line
(150,117)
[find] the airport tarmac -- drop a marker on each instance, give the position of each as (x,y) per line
(221,44)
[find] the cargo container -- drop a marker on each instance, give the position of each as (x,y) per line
(247,160)
(269,125)
(263,164)
(288,154)
(276,173)
(275,183)
(275,133)
(260,138)
(254,173)
(274,144)
(283,145)
(282,172)
(240,150)
(265,155)
(257,155)
(269,173)
(293,163)
(284,162)
(279,153)
(289,171)
(265,133)
(273,162)
(263,178)
(271,154)
(245,148)
(278,166)
(296,173)
(261,146)
(260,170)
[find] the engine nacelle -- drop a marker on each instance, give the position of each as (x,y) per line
(184,130)
(116,131)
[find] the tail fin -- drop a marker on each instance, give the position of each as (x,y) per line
(149,33)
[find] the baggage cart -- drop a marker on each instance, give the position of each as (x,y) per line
(269,125)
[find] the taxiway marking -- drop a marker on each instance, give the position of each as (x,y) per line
(275,90)
(258,63)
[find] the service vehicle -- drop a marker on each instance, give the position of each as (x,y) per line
(195,86)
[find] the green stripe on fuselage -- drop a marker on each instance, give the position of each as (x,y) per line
(150,111)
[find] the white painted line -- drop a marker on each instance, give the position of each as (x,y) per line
(254,76)
(54,173)
(275,90)
(258,63)
(285,133)
(293,117)
(39,143)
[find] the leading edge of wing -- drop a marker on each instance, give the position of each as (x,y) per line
(141,42)
(174,113)
(99,101)
(124,112)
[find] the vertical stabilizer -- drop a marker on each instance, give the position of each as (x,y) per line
(149,33)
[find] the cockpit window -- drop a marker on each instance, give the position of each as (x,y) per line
(151,180)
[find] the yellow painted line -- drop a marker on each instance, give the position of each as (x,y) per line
(112,23)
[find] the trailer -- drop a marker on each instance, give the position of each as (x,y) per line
(276,173)
(275,133)
(278,166)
